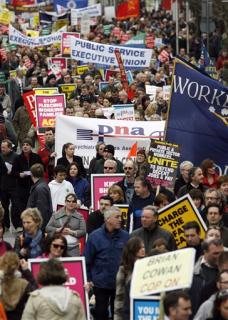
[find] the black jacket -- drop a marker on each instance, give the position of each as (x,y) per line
(64,162)
(95,221)
(40,197)
(8,181)
(22,164)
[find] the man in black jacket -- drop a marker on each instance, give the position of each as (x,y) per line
(8,183)
(21,170)
(40,196)
(96,218)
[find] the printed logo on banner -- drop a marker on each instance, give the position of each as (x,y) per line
(173,217)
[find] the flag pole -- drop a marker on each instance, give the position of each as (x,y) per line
(177,28)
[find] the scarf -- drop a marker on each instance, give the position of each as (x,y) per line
(33,244)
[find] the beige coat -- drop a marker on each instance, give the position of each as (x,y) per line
(54,303)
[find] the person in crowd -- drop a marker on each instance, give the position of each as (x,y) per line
(142,197)
(214,216)
(161,201)
(5,101)
(205,272)
(55,246)
(198,199)
(116,193)
(213,232)
(133,250)
(30,243)
(183,178)
(6,128)
(8,184)
(110,166)
(21,121)
(69,223)
(177,305)
(108,153)
(80,184)
(15,87)
(17,283)
(53,300)
(127,183)
(51,81)
(220,306)
(47,153)
(223,187)
(195,182)
(103,251)
(161,245)
(150,230)
(40,195)
(141,162)
(4,245)
(206,309)
(192,237)
(209,173)
(21,170)
(99,154)
(68,157)
(96,218)
(59,187)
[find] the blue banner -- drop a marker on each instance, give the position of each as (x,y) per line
(69,4)
(198,116)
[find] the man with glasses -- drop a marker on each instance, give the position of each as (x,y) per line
(127,184)
(110,166)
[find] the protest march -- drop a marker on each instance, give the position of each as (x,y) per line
(113,160)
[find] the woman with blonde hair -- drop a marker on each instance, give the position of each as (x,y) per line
(116,193)
(14,290)
(150,110)
(30,243)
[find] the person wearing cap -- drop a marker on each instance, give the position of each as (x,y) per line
(21,170)
(108,153)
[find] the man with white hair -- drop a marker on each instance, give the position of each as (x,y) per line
(110,166)
(102,253)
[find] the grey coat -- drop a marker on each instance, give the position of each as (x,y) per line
(76,224)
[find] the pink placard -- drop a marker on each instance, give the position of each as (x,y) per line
(75,267)
(47,108)
(66,42)
(100,184)
(59,62)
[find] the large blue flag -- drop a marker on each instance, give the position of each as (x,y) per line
(198,116)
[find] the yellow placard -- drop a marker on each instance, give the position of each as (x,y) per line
(46,90)
(68,89)
(5,17)
(173,217)
(164,272)
(13,74)
(60,23)
(36,20)
(124,210)
(82,69)
(32,33)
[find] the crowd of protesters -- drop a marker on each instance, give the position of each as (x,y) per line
(41,192)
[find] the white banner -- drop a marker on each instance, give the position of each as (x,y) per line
(16,37)
(86,133)
(93,11)
(124,112)
(103,54)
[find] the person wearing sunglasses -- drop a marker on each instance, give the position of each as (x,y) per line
(68,222)
(55,247)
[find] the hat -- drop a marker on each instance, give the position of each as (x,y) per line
(109,148)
